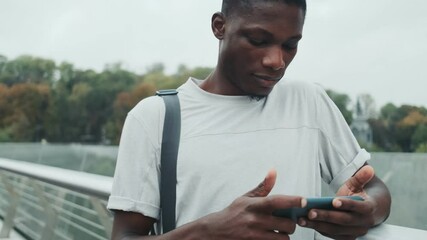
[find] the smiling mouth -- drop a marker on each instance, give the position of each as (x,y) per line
(268,78)
(267,81)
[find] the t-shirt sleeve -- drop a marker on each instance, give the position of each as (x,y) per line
(136,178)
(339,154)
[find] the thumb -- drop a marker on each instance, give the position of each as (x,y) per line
(358,181)
(264,188)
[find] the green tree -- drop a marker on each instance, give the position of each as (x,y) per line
(83,102)
(66,73)
(160,80)
(387,112)
(39,99)
(27,69)
(109,83)
(342,101)
(3,61)
(5,111)
(184,73)
(57,116)
(123,103)
(419,138)
(382,137)
(156,68)
(409,118)
(25,111)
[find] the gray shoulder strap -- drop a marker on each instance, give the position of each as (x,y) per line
(169,154)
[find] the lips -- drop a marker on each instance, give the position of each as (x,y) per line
(266,80)
(267,77)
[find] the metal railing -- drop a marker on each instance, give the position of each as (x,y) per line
(44,202)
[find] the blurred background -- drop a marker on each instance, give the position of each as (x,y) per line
(71,70)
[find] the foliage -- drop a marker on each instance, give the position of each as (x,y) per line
(27,69)
(370,147)
(22,106)
(5,135)
(400,128)
(419,138)
(342,101)
(40,99)
(422,148)
(387,112)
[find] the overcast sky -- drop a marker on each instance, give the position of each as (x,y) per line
(351,46)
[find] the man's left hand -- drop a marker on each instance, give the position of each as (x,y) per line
(352,218)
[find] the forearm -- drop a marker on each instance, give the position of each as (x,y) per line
(136,226)
(247,217)
(190,231)
(377,190)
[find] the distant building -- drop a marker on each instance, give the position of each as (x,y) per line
(360,126)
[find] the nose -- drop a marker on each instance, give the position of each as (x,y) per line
(274,58)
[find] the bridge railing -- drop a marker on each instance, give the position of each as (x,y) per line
(44,202)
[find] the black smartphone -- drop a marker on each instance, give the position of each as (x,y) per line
(317,203)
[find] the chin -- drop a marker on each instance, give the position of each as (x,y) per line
(261,93)
(257,97)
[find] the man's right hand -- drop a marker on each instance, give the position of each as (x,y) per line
(247,217)
(250,216)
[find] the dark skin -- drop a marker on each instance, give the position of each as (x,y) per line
(255,50)
(256,47)
(248,217)
(355,218)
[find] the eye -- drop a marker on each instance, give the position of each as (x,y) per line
(290,46)
(257,41)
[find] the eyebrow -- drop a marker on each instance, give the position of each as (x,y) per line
(269,34)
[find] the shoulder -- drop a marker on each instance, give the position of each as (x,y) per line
(148,108)
(144,121)
(304,101)
(300,86)
(300,90)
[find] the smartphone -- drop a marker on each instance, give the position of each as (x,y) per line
(317,203)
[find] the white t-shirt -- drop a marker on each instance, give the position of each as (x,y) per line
(227,146)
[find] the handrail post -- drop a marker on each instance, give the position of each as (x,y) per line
(103,215)
(51,215)
(9,222)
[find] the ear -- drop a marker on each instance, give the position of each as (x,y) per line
(218,25)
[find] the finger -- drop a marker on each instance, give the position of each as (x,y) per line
(358,181)
(271,203)
(362,207)
(335,230)
(264,188)
(282,225)
(334,217)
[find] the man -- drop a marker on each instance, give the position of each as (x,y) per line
(237,124)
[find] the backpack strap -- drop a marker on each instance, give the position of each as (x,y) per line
(169,154)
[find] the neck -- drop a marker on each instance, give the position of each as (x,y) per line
(212,83)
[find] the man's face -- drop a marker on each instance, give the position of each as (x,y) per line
(257,46)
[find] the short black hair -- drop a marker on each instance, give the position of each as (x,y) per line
(229,6)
